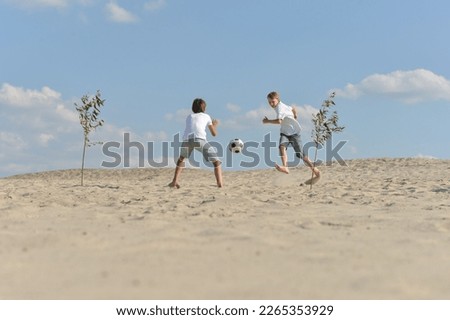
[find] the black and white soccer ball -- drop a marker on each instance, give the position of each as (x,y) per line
(236,145)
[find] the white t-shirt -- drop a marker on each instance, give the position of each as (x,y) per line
(196,124)
(289,125)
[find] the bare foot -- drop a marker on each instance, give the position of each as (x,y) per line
(316,172)
(315,178)
(174,185)
(282,168)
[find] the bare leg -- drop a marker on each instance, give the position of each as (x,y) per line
(218,173)
(283,155)
(176,177)
(308,162)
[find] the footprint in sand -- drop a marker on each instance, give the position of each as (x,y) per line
(443,227)
(285,180)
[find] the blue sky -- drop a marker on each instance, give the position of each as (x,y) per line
(387,61)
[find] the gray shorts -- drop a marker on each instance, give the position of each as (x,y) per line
(209,152)
(293,140)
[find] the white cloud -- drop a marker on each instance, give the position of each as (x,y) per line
(25,98)
(154,5)
(30,119)
(40,3)
(118,14)
(408,86)
(178,116)
(423,156)
(244,120)
(156,136)
(66,114)
(37,110)
(255,114)
(10,140)
(30,4)
(41,125)
(45,138)
(305,114)
(233,107)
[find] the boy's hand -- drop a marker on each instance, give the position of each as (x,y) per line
(213,127)
(265,120)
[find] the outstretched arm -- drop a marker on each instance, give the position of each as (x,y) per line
(274,121)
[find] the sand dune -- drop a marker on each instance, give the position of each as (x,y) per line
(376,229)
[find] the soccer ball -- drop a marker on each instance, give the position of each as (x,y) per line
(236,145)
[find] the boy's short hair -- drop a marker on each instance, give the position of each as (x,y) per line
(273,95)
(198,105)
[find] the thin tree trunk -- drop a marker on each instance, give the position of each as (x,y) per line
(82,161)
(314,165)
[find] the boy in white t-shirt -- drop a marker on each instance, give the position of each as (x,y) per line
(195,138)
(289,132)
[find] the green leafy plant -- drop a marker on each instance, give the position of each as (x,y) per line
(325,125)
(89,112)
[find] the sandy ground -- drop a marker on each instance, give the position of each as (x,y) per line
(376,229)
